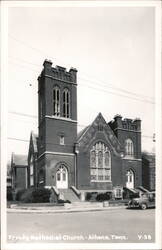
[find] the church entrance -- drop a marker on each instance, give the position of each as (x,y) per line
(130,179)
(62,177)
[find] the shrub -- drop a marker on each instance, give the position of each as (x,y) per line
(9,194)
(62,201)
(88,196)
(67,201)
(19,194)
(27,196)
(36,195)
(103,197)
(41,195)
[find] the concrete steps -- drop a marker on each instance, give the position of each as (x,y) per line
(68,194)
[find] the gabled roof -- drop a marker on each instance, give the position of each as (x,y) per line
(34,141)
(19,160)
(86,136)
(81,133)
(149,157)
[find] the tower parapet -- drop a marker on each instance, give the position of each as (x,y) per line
(129,124)
(59,73)
(125,124)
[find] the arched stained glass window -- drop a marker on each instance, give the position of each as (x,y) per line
(56,101)
(93,159)
(66,103)
(107,158)
(100,163)
(129,147)
(100,159)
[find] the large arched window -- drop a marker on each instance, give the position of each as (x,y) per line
(100,163)
(129,148)
(56,101)
(66,103)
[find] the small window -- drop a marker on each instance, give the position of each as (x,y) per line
(118,193)
(62,140)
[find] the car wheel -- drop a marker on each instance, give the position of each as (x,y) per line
(143,206)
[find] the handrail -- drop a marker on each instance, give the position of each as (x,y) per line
(55,190)
(76,191)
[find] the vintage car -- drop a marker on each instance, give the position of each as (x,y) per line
(145,200)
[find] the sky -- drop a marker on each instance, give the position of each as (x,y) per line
(113,49)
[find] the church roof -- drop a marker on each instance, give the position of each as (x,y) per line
(34,138)
(19,160)
(86,136)
(82,132)
(149,157)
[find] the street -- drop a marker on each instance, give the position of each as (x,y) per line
(119,225)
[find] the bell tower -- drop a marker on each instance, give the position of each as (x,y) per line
(57,120)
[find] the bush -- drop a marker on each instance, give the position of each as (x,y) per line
(19,194)
(36,195)
(9,194)
(88,196)
(67,201)
(103,197)
(26,197)
(41,195)
(62,201)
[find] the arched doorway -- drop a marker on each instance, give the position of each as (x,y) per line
(62,177)
(130,179)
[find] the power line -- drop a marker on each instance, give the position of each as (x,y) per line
(24,61)
(27,45)
(23,114)
(25,140)
(22,66)
(36,117)
(129,97)
(116,88)
(99,89)
(100,85)
(105,85)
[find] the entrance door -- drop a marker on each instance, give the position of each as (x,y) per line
(130,179)
(62,178)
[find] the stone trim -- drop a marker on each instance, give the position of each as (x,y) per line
(128,159)
(136,131)
(60,118)
(62,80)
(56,153)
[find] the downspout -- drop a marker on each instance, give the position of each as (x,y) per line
(76,155)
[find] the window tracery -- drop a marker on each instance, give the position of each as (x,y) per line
(100,163)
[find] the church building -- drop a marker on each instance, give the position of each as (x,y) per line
(103,157)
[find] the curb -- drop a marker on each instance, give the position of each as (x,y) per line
(44,211)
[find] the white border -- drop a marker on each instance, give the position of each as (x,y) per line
(4,21)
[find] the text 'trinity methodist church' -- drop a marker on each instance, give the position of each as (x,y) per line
(103,157)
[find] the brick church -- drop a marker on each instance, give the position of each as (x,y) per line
(103,157)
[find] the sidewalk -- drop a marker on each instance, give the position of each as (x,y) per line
(60,210)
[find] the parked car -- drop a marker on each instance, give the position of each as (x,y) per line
(145,200)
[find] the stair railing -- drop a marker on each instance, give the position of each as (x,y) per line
(76,191)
